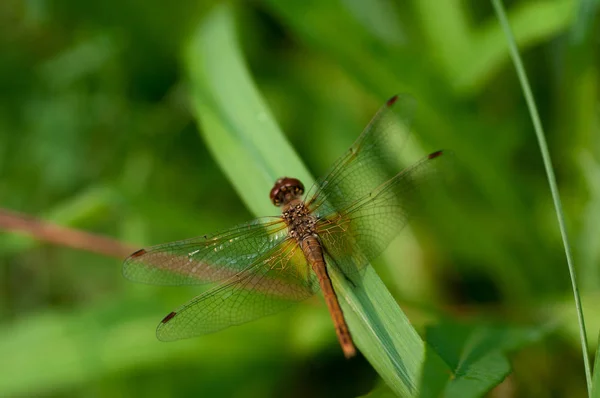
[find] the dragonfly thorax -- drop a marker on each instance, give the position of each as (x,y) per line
(300,222)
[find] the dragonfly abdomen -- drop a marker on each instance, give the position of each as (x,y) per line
(311,247)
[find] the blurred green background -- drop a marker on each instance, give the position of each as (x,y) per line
(97,134)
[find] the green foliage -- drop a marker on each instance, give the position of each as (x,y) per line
(476,354)
(96,133)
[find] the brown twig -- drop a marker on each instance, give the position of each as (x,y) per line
(63,236)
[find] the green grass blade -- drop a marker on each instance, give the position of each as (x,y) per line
(537,124)
(252,151)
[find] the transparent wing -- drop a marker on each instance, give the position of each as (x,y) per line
(205,259)
(275,281)
(358,233)
(370,161)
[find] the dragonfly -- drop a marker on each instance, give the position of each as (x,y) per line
(348,217)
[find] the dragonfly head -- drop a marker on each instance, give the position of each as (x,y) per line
(285,190)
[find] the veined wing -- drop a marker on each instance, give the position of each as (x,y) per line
(358,233)
(206,259)
(276,280)
(371,160)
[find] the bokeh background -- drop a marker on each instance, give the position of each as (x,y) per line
(97,134)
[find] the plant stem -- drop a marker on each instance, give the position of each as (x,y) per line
(514,53)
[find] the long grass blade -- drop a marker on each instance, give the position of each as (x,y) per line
(539,131)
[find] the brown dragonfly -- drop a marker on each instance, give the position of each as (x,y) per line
(347,219)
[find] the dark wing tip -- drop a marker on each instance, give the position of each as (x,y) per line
(435,154)
(168,317)
(392,100)
(138,253)
(130,263)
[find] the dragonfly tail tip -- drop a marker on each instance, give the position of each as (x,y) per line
(349,351)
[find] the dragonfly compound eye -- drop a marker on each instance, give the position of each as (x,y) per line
(285,190)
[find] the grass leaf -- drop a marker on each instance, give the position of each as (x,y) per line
(539,131)
(246,142)
(477,355)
